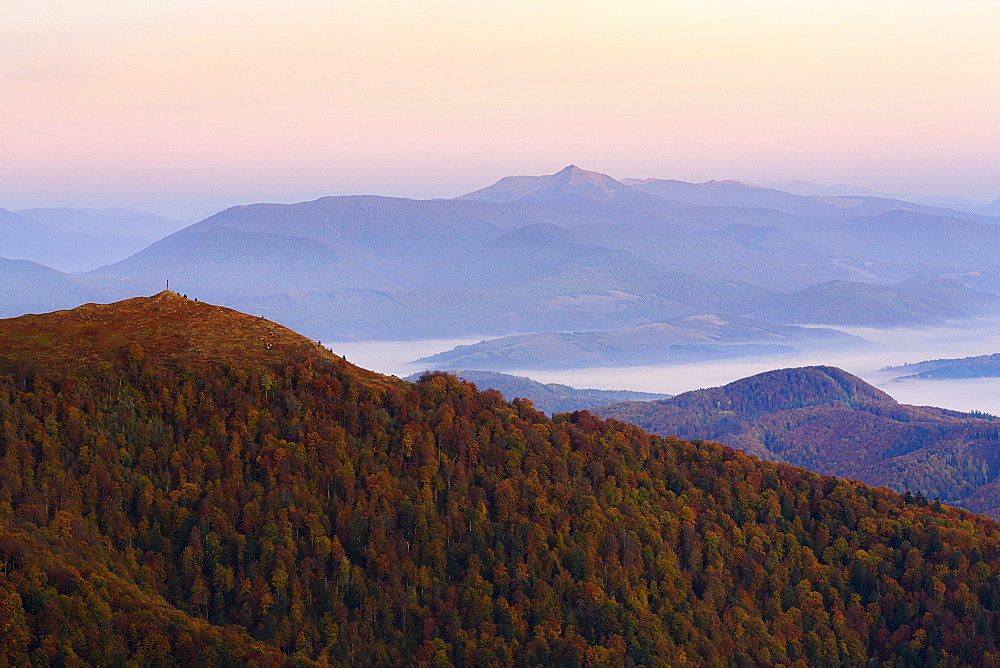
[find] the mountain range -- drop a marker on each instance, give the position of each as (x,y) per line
(186,484)
(834,423)
(122,222)
(571,251)
(864,304)
(28,287)
(798,187)
(66,248)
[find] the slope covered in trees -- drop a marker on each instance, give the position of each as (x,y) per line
(164,509)
(834,423)
(547,397)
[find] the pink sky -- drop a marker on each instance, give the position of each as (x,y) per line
(122,101)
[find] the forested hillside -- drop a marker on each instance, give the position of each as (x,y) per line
(165,509)
(547,397)
(829,421)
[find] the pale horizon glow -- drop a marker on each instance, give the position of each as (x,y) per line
(118,101)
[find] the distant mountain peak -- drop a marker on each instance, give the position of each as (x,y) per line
(810,385)
(731,182)
(571,181)
(780,390)
(575,176)
(991,209)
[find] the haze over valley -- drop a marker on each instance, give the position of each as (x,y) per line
(577,269)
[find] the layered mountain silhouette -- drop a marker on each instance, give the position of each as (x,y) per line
(848,303)
(122,222)
(834,423)
(570,184)
(28,287)
(803,198)
(991,209)
(197,497)
(806,188)
(24,238)
(735,193)
(567,251)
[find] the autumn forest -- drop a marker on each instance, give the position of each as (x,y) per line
(158,511)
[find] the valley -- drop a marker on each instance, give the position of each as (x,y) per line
(887,347)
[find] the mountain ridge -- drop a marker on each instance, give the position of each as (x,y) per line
(680,340)
(853,303)
(22,238)
(165,328)
(371,267)
(29,287)
(123,222)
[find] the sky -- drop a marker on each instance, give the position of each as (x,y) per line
(112,102)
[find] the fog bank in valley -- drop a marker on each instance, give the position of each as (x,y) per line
(895,346)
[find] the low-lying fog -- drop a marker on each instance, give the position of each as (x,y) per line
(896,346)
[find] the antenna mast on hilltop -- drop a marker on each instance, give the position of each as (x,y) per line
(168,284)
